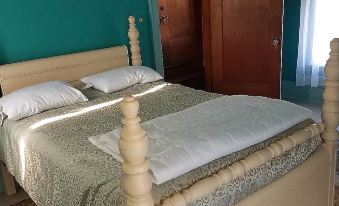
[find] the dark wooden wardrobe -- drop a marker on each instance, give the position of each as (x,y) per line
(182,45)
(235,45)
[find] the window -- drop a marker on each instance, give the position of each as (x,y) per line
(318,26)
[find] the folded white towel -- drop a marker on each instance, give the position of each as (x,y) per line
(186,140)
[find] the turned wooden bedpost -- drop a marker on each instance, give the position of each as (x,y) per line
(133,35)
(330,110)
(133,147)
(330,113)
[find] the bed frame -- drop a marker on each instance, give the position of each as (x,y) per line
(311,184)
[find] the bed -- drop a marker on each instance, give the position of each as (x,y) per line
(51,158)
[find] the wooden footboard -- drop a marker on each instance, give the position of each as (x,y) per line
(134,146)
(241,168)
(307,185)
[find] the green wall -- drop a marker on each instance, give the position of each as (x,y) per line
(290,39)
(35,29)
(31,29)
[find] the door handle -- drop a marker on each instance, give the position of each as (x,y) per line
(164,19)
(162,8)
(276,44)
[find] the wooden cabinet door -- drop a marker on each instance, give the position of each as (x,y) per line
(242,42)
(181,35)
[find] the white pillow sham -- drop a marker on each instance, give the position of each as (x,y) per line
(121,78)
(34,99)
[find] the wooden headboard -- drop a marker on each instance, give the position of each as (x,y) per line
(71,67)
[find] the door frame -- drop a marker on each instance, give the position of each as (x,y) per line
(157,44)
(206,36)
(156,36)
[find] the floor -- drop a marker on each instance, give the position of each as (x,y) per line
(21,195)
(315,107)
(9,200)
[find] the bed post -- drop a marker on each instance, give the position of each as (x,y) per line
(133,35)
(133,147)
(330,111)
(8,180)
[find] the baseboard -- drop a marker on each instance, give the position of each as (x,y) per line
(289,91)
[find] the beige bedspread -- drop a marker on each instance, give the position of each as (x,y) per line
(52,159)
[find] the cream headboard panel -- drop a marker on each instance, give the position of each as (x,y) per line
(70,67)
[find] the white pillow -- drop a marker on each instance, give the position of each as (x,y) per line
(34,99)
(121,78)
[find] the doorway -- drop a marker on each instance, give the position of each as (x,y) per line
(243,46)
(181,39)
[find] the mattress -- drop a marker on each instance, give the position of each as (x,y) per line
(52,159)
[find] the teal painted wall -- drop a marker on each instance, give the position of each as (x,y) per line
(35,29)
(290,39)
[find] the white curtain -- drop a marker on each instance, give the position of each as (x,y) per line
(319,24)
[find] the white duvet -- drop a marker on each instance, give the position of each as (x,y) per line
(185,140)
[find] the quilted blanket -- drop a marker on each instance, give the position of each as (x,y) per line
(185,140)
(50,155)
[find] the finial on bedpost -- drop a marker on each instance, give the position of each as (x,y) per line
(133,35)
(133,147)
(330,110)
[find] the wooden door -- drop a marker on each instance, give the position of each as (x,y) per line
(242,46)
(181,35)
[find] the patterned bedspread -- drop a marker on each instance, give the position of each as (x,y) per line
(52,159)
